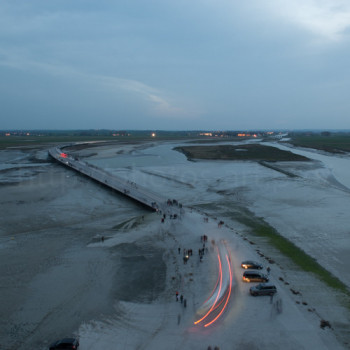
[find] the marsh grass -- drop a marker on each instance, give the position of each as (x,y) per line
(338,143)
(297,255)
(253,152)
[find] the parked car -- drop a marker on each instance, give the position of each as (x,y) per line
(263,289)
(250,264)
(66,343)
(254,276)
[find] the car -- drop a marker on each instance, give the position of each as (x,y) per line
(66,343)
(250,264)
(254,276)
(263,289)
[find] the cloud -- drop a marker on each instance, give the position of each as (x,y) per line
(328,19)
(159,103)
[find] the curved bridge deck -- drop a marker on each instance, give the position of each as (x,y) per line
(138,193)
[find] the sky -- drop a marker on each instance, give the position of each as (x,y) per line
(175,65)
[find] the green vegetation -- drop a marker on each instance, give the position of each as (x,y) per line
(255,152)
(21,141)
(298,256)
(260,228)
(334,143)
(47,137)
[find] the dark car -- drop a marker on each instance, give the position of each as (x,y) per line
(263,289)
(66,343)
(254,276)
(250,264)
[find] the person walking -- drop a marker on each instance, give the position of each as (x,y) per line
(177,296)
(181,298)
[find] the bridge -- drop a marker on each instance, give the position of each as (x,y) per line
(147,198)
(215,305)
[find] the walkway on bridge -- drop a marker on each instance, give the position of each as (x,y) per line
(130,189)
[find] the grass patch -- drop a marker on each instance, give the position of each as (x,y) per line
(338,143)
(298,256)
(6,142)
(255,152)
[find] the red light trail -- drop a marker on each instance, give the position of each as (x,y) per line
(216,299)
(227,299)
(222,294)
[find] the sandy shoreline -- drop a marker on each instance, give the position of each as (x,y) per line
(51,233)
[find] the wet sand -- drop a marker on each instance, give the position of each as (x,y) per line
(51,282)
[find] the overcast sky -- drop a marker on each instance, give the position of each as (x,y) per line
(184,64)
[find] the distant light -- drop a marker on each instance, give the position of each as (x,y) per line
(153,134)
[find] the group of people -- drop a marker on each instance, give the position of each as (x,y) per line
(155,205)
(171,216)
(204,249)
(201,252)
(171,202)
(186,254)
(183,301)
(189,252)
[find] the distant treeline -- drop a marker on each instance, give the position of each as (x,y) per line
(335,142)
(330,141)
